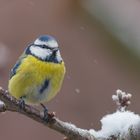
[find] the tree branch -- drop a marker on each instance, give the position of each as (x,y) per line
(67,129)
(120,125)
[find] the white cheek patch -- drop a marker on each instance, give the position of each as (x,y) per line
(40,52)
(58,56)
(50,43)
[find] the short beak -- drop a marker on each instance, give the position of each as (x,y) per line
(55,49)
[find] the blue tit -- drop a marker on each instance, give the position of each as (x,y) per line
(38,74)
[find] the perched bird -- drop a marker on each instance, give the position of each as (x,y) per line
(38,74)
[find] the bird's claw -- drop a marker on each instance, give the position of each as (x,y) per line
(21,103)
(46,116)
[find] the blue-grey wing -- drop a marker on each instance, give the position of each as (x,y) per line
(16,66)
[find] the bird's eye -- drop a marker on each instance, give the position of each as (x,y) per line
(43,46)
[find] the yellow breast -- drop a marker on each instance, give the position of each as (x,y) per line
(31,74)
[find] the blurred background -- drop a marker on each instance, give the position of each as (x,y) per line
(100,43)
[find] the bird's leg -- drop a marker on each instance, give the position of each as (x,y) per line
(21,103)
(46,116)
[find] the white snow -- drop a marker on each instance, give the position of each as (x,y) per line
(116,124)
(77,90)
(122,97)
(121,94)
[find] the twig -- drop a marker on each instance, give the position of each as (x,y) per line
(67,129)
(122,99)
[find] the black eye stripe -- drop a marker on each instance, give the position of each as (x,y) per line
(43,46)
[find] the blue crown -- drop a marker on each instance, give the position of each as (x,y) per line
(46,38)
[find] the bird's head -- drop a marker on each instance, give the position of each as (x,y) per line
(46,49)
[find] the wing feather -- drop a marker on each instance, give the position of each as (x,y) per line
(16,66)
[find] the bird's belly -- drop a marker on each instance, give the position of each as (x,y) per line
(30,90)
(34,96)
(30,78)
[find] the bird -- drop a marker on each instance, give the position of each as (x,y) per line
(38,74)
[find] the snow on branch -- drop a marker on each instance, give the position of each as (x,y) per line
(122,99)
(121,125)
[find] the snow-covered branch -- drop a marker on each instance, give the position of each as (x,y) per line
(9,103)
(121,125)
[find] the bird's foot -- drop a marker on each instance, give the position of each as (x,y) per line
(21,103)
(46,116)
